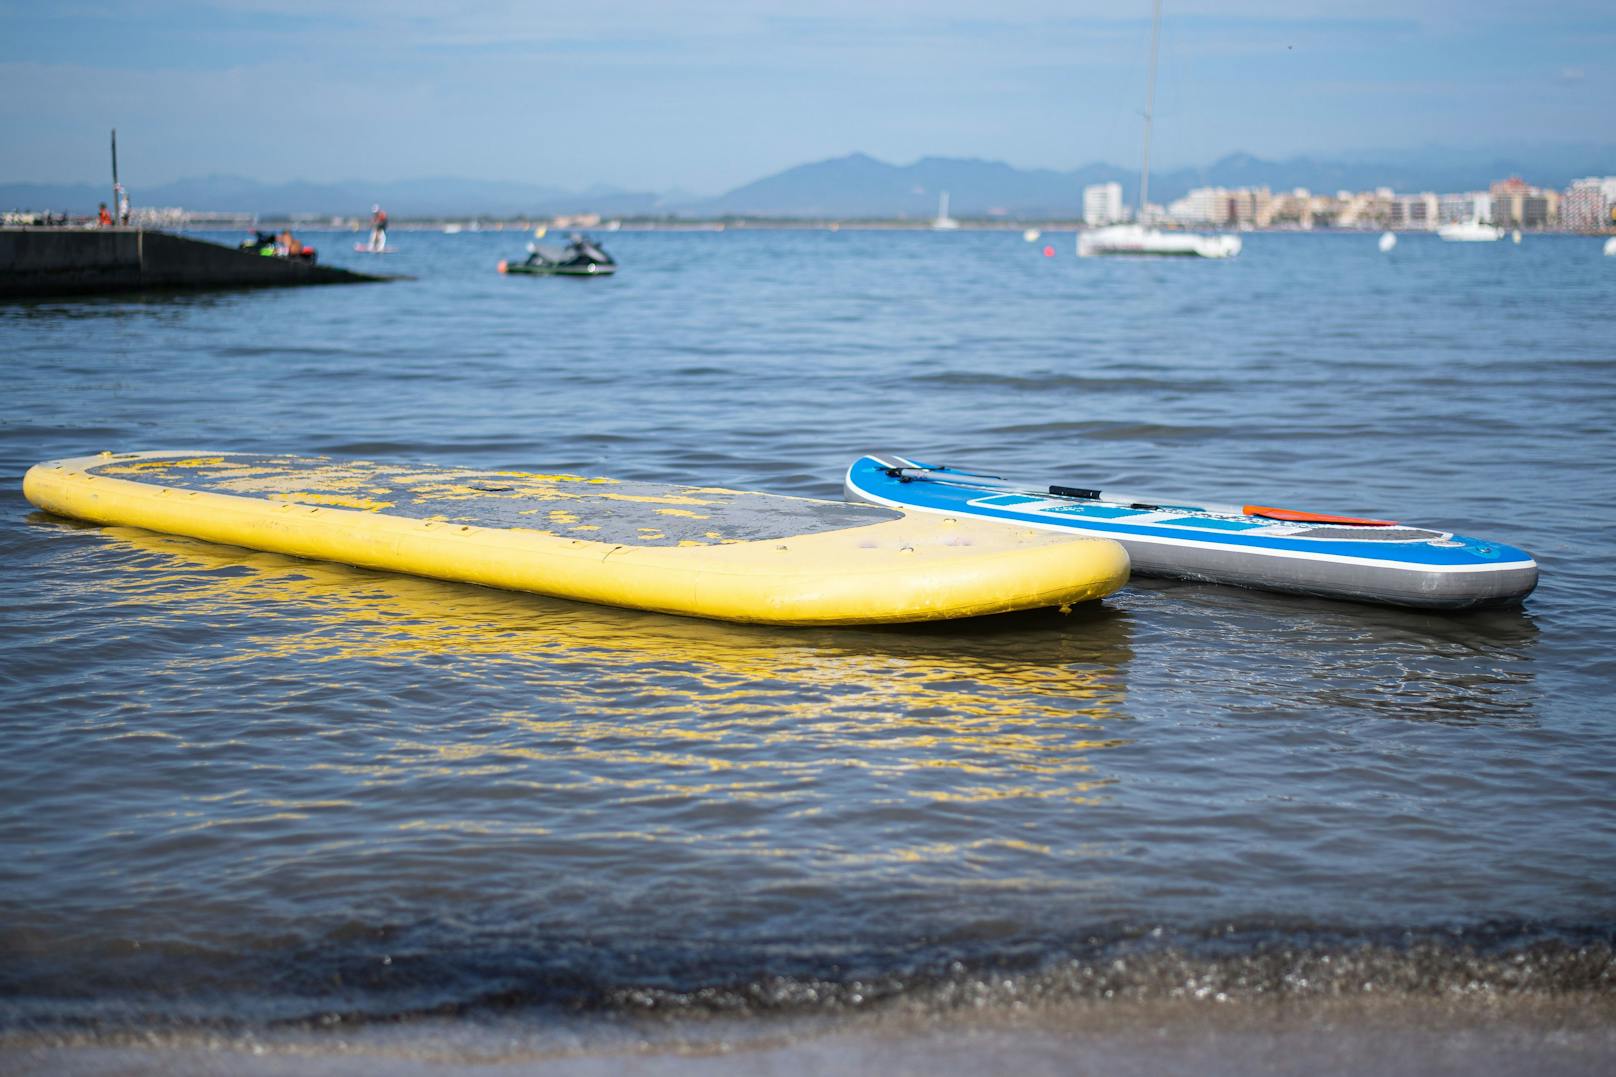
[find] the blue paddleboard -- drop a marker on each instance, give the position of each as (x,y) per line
(1248,545)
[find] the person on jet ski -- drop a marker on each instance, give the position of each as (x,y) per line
(580,251)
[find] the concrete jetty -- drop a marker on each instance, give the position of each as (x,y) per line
(94,261)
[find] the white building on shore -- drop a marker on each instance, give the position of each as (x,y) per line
(1203,205)
(1470,207)
(1102,204)
(1589,204)
(1414,212)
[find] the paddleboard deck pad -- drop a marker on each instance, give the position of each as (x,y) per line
(1250,546)
(701,551)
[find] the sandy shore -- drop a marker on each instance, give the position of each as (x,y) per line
(1468,1036)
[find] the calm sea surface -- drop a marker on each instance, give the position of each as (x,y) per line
(240,790)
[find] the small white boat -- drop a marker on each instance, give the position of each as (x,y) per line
(1122,239)
(1031,235)
(1470,232)
(1388,240)
(944,223)
(1610,247)
(1515,237)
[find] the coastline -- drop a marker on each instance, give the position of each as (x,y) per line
(1431,1035)
(817,224)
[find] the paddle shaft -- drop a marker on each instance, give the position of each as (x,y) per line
(1032,489)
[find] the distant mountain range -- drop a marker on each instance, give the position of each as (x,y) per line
(861,186)
(846,187)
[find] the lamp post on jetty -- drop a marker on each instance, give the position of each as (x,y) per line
(120,205)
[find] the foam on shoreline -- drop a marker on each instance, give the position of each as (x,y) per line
(1568,1034)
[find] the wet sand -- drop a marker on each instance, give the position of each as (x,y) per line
(1391,1037)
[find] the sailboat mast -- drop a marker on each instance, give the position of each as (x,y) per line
(1150,107)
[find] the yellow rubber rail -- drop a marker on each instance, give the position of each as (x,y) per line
(897,568)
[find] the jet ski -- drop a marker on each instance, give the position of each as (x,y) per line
(581,257)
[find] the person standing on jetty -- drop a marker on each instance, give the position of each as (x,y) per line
(378,228)
(103,218)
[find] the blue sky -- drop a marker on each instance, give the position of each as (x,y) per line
(703,96)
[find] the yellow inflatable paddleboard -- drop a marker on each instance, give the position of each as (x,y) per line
(695,550)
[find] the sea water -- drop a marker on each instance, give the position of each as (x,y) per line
(242,794)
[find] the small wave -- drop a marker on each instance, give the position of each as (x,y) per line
(363,975)
(1053,382)
(1110,430)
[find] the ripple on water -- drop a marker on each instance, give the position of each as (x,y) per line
(246,788)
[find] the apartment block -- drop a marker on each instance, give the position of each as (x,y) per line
(1102,204)
(1589,205)
(1413,211)
(1517,204)
(1464,208)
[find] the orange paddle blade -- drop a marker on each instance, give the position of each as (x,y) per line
(1298,516)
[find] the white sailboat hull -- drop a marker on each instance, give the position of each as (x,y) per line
(1470,232)
(1132,239)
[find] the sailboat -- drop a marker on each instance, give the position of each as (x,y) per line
(1136,238)
(944,223)
(1471,231)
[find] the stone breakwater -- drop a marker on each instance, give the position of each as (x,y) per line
(56,261)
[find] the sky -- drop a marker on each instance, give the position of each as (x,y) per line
(699,97)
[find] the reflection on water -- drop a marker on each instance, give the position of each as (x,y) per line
(968,711)
(1039,663)
(513,773)
(1334,660)
(171,308)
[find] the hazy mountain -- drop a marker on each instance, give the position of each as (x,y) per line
(861,186)
(857,185)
